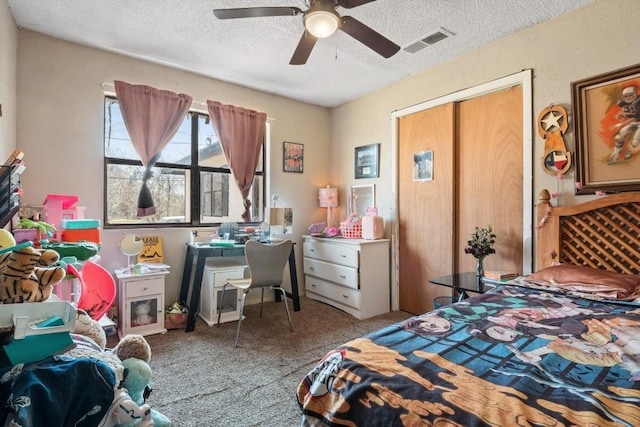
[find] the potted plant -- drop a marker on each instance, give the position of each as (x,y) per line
(480,245)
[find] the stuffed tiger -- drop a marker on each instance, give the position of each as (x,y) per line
(28,275)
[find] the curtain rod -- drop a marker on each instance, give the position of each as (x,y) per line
(204,104)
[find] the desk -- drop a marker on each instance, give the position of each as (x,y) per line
(201,253)
(461,283)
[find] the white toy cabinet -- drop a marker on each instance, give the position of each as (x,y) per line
(216,273)
(141,302)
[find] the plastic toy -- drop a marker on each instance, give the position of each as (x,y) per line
(98,288)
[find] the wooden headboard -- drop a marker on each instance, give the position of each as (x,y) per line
(602,233)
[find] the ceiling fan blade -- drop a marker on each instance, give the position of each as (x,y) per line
(255,12)
(349,4)
(302,52)
(369,37)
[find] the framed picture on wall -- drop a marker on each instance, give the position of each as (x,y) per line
(423,166)
(293,157)
(366,161)
(606,111)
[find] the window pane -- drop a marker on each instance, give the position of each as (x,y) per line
(169,188)
(209,149)
(116,139)
(117,143)
(221,201)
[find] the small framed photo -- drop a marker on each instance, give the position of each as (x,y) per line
(293,157)
(607,131)
(366,161)
(423,166)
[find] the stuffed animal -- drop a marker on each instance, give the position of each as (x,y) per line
(129,359)
(136,382)
(26,273)
(91,341)
(143,316)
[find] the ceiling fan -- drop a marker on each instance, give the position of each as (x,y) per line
(320,20)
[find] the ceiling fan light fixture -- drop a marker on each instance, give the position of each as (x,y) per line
(321,23)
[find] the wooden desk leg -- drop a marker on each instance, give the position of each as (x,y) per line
(195,293)
(186,277)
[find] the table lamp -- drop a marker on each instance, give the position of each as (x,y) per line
(328,199)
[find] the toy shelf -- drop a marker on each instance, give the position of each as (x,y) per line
(9,198)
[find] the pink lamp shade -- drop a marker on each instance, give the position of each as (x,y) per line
(328,197)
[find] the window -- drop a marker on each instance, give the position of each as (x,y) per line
(191,185)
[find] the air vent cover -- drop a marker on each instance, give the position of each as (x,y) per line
(432,38)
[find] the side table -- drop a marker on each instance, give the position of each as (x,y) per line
(141,302)
(461,283)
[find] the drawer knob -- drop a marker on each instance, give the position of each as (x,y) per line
(145,288)
(343,255)
(345,296)
(313,285)
(343,277)
(311,268)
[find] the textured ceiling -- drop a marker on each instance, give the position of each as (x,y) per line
(255,52)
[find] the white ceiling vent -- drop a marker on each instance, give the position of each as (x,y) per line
(432,38)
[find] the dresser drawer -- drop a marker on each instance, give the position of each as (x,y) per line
(347,296)
(345,276)
(332,252)
(218,277)
(137,288)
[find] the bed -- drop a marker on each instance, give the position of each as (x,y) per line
(558,347)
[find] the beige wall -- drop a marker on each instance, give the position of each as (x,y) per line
(594,39)
(60,122)
(8,66)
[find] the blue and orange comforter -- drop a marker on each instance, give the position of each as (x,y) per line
(512,357)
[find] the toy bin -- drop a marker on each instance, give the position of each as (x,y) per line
(34,318)
(88,234)
(352,227)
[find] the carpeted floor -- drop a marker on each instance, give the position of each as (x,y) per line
(200,379)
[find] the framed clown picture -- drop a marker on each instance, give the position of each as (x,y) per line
(606,111)
(292,157)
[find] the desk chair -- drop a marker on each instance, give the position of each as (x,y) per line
(266,264)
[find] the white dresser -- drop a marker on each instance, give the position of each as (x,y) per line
(349,274)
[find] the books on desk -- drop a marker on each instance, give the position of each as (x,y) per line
(498,275)
(222,243)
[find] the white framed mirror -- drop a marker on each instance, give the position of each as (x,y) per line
(362,197)
(131,245)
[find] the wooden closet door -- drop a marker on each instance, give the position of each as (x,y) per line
(477,181)
(425,208)
(489,175)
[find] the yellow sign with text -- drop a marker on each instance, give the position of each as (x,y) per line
(152,251)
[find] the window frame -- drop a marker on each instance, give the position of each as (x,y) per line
(194,169)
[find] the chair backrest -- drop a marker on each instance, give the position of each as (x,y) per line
(267,261)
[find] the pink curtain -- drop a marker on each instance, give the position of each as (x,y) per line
(152,118)
(241,134)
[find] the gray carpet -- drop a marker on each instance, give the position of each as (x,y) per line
(200,379)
